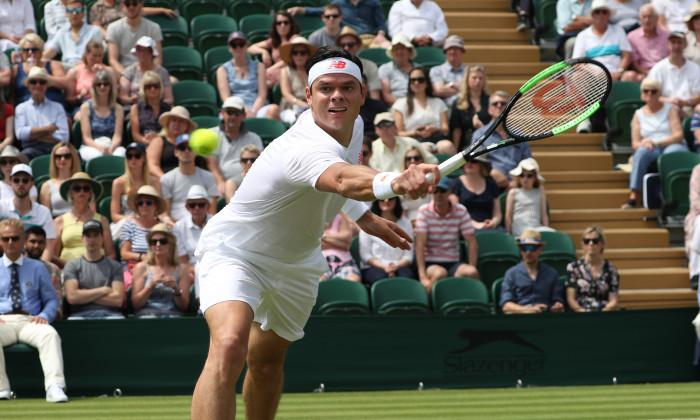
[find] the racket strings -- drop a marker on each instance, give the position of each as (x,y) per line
(556,100)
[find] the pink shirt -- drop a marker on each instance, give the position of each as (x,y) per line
(442,244)
(647,50)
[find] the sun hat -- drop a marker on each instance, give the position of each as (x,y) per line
(531,237)
(401,39)
(348,31)
(81,176)
(600,4)
(37,73)
(694,11)
(484,161)
(177,111)
(197,192)
(12,151)
(22,167)
(146,42)
(92,225)
(149,191)
(234,102)
(161,228)
(383,116)
(528,164)
(286,49)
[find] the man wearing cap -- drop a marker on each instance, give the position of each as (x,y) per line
(261,256)
(649,42)
(679,77)
(389,149)
(177,182)
(22,207)
(447,76)
(28,305)
(39,122)
(331,16)
(122,34)
(422,20)
(531,286)
(188,229)
(70,41)
(9,157)
(351,42)
(93,283)
(225,162)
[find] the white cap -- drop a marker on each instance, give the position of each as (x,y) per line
(22,167)
(233,102)
(146,42)
(197,192)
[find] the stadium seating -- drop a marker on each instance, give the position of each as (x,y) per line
(267,129)
(341,296)
(429,57)
(460,295)
(183,63)
(76,135)
(213,58)
(624,98)
(198,97)
(256,26)
(211,30)
(107,165)
(308,24)
(175,30)
(355,249)
(688,134)
(241,9)
(103,206)
(399,295)
(497,253)
(189,9)
(674,173)
(40,165)
(496,295)
(206,121)
(377,55)
(558,251)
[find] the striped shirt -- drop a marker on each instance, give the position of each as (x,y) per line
(442,244)
(136,234)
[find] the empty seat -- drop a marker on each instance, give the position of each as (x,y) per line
(211,30)
(399,295)
(460,295)
(183,63)
(341,296)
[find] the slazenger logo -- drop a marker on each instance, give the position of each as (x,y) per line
(336,65)
(478,338)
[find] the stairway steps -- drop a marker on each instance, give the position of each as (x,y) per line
(570,219)
(653,278)
(477,36)
(658,298)
(449,6)
(507,70)
(557,180)
(628,238)
(572,161)
(568,142)
(587,198)
(502,54)
(481,19)
(636,258)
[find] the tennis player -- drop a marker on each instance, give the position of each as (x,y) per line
(260,257)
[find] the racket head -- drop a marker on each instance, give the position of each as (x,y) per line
(557,99)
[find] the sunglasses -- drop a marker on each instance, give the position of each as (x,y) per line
(347,44)
(282,22)
(651,91)
(248,160)
(10,238)
(130,156)
(413,158)
(39,82)
(333,16)
(156,241)
(63,156)
(417,79)
(528,176)
(499,103)
(18,180)
(83,188)
(196,205)
(5,162)
(587,241)
(31,50)
(529,248)
(299,52)
(183,147)
(237,45)
(152,86)
(385,124)
(233,112)
(102,84)
(146,202)
(77,10)
(601,12)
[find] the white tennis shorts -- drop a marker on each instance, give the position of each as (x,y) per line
(281,295)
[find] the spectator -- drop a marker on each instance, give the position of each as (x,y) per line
(284,29)
(5,75)
(136,175)
(478,192)
(70,41)
(389,149)
(437,230)
(161,151)
(7,121)
(656,130)
(502,160)
(22,207)
(188,229)
(351,42)
(572,18)
(692,230)
(248,155)
(28,310)
(671,13)
(30,48)
(176,183)
(81,192)
(394,74)
(102,120)
(145,121)
(63,164)
(531,286)
(420,114)
(369,111)
(146,204)
(626,14)
(605,42)
(692,50)
(16,21)
(294,78)
(130,84)
(161,284)
(379,260)
(694,128)
(649,42)
(55,17)
(40,122)
(233,134)
(471,109)
(80,77)
(34,248)
(104,12)
(413,156)
(122,34)
(422,20)
(94,284)
(245,79)
(335,247)
(592,281)
(366,151)
(332,17)
(525,14)
(679,77)
(447,76)
(9,157)
(526,203)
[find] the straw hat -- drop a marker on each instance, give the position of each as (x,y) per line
(528,164)
(11,151)
(694,11)
(161,228)
(177,111)
(149,191)
(286,49)
(401,39)
(348,31)
(81,176)
(37,73)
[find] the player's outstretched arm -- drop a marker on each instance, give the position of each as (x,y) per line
(385,230)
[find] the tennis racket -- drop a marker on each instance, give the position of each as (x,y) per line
(555,100)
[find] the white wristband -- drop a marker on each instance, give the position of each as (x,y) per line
(382,185)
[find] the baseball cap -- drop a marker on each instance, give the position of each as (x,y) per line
(22,167)
(233,102)
(383,116)
(445,183)
(92,225)
(676,34)
(197,192)
(236,35)
(136,146)
(453,41)
(182,138)
(146,42)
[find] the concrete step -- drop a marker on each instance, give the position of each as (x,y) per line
(504,36)
(558,180)
(480,19)
(569,141)
(524,70)
(571,219)
(627,238)
(449,6)
(653,278)
(488,53)
(636,258)
(572,161)
(608,198)
(658,298)
(508,86)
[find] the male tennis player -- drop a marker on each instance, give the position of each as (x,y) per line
(260,257)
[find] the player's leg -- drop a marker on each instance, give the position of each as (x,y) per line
(215,394)
(264,378)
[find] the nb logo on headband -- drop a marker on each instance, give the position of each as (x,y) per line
(337,65)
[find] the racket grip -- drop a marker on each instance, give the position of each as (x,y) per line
(447,167)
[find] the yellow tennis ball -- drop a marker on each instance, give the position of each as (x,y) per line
(203,141)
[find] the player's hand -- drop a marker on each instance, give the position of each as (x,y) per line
(385,230)
(412,181)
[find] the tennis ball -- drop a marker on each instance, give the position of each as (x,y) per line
(203,141)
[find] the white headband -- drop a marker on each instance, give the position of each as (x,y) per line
(334,65)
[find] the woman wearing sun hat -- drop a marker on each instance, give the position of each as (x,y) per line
(293,79)
(161,151)
(81,192)
(9,157)
(394,74)
(526,204)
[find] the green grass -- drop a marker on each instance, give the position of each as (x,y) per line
(658,401)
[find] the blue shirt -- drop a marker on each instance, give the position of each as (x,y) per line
(567,8)
(519,288)
(366,18)
(29,114)
(37,291)
(507,158)
(72,51)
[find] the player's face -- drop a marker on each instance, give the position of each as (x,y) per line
(35,246)
(335,104)
(12,241)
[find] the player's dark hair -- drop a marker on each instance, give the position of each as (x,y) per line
(331,51)
(36,230)
(398,208)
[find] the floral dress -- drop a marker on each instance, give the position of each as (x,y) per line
(592,294)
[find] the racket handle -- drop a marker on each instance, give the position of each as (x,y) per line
(448,166)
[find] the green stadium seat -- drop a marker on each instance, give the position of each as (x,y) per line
(429,57)
(460,295)
(206,121)
(183,63)
(213,58)
(102,165)
(308,24)
(497,253)
(341,296)
(268,129)
(377,55)
(619,135)
(386,7)
(674,172)
(276,94)
(622,91)
(175,30)
(211,30)
(496,295)
(76,135)
(688,134)
(545,20)
(220,204)
(355,249)
(190,9)
(198,97)
(103,207)
(399,295)
(286,4)
(242,8)
(558,251)
(256,25)
(40,165)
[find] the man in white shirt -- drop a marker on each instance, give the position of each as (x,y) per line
(389,149)
(188,229)
(422,20)
(679,77)
(261,256)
